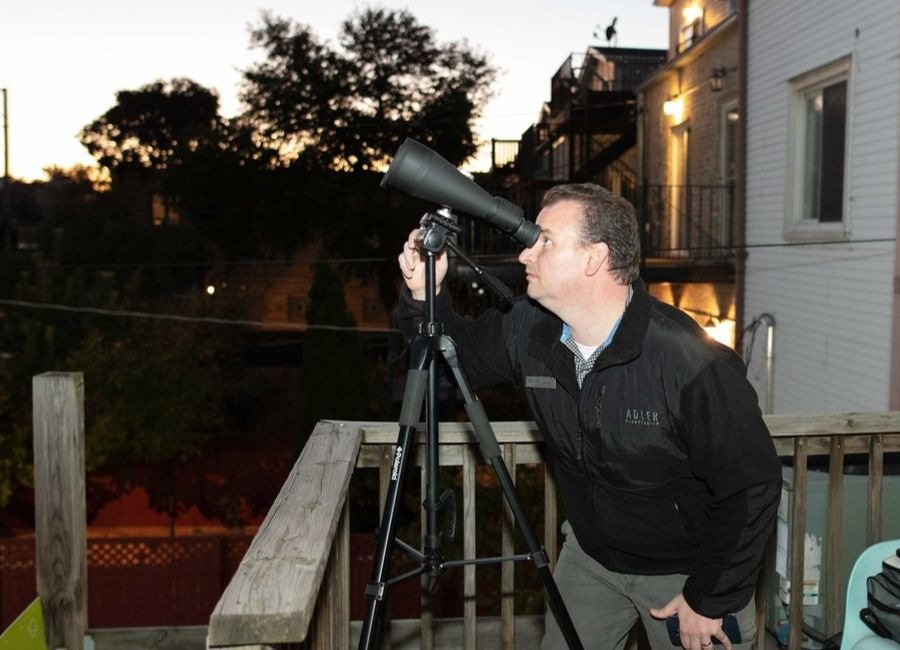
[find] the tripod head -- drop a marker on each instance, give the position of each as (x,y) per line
(435,231)
(434,236)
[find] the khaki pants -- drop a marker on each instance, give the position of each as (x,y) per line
(605,605)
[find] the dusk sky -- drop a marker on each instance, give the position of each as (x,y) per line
(62,62)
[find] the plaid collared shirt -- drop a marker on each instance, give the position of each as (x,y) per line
(583,366)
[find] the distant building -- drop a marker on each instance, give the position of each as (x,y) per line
(688,152)
(587,131)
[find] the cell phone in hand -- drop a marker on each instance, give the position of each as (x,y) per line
(729,624)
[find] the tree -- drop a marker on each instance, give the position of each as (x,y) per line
(333,377)
(154,127)
(168,137)
(351,109)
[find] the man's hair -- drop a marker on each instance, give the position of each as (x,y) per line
(606,218)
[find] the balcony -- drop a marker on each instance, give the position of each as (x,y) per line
(590,120)
(688,227)
(293,585)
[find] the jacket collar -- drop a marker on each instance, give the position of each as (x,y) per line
(629,339)
(626,345)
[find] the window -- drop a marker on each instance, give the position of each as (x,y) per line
(164,209)
(692,27)
(730,124)
(818,152)
(679,190)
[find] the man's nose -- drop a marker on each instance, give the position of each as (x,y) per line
(526,255)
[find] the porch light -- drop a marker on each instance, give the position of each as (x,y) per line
(717,80)
(674,108)
(210,289)
(722,330)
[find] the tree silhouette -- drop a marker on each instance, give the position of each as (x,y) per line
(350,109)
(301,165)
(154,127)
(333,377)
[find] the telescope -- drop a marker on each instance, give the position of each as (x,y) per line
(422,173)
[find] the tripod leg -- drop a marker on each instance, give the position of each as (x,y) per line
(416,383)
(491,450)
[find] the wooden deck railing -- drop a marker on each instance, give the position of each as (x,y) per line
(291,589)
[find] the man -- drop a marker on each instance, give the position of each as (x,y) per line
(669,475)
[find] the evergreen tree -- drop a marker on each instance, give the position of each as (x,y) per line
(333,377)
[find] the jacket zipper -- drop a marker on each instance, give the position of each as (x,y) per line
(598,410)
(579,450)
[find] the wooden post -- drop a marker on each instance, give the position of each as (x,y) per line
(60,510)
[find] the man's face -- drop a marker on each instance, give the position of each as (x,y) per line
(556,265)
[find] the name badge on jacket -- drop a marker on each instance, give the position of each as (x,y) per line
(532,381)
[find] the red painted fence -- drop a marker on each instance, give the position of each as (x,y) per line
(134,581)
(173,581)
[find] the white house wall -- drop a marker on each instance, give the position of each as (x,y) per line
(832,303)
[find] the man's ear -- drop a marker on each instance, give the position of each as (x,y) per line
(598,259)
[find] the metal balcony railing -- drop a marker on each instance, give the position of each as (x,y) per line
(687,221)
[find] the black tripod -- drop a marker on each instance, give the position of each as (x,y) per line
(422,384)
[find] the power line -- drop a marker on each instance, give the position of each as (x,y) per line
(381,260)
(300,327)
(873,240)
(250,263)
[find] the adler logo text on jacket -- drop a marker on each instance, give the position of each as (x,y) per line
(642,417)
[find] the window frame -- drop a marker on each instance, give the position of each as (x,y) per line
(796,228)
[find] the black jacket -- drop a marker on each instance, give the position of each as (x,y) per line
(662,456)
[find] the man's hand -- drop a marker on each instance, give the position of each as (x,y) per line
(412,266)
(697,632)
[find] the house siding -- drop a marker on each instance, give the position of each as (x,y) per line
(833,304)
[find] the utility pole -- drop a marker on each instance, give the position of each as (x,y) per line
(5,142)
(5,218)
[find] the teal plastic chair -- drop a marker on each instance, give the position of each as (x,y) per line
(857,635)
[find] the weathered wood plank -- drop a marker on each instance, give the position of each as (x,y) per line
(780,426)
(272,596)
(149,638)
(507,569)
(330,628)
(834,597)
(854,443)
(375,433)
(837,424)
(798,541)
(60,506)
(469,550)
(450,455)
(876,472)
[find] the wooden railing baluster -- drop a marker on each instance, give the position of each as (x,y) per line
(508,569)
(834,529)
(798,540)
(470,603)
(876,473)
